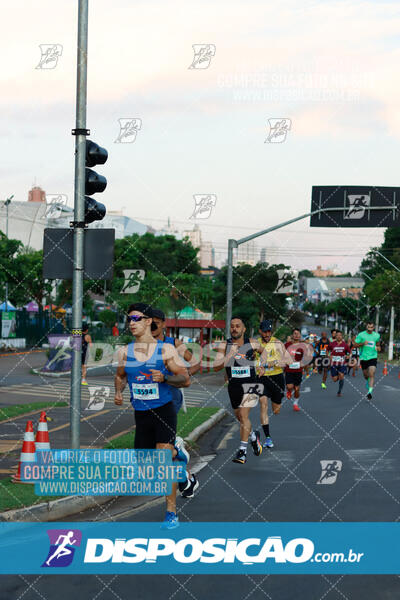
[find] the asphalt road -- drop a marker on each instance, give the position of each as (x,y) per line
(281,485)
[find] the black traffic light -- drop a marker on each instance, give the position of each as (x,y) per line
(94,183)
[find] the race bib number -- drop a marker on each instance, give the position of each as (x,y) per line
(371,344)
(323,353)
(240,371)
(294,365)
(337,359)
(145,391)
(354,352)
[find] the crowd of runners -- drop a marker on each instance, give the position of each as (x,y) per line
(257,370)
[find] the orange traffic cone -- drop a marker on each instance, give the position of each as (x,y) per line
(385,369)
(27,453)
(42,441)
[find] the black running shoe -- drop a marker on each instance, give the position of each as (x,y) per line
(257,446)
(240,456)
(184,485)
(193,485)
(369,396)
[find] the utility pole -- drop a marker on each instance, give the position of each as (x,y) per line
(391,334)
(377,318)
(6,204)
(80,133)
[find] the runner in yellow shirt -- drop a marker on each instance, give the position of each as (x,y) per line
(271,375)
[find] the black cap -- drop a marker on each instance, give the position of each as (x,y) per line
(158,314)
(266,325)
(145,309)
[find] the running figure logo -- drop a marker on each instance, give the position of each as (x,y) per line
(358,204)
(133,279)
(278,129)
(97,397)
(203,205)
(203,54)
(329,471)
(63,543)
(285,282)
(54,204)
(128,129)
(50,55)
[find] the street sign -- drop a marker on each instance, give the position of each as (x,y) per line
(363,206)
(58,253)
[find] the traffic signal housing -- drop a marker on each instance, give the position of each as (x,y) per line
(94,183)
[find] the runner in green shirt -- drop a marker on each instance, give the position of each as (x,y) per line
(368,342)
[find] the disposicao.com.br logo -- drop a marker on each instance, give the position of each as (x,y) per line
(62,547)
(191,550)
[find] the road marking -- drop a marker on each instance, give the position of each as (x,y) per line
(96,414)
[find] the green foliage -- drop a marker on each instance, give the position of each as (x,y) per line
(22,268)
(108,317)
(384,289)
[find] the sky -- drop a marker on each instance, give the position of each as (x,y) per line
(328,68)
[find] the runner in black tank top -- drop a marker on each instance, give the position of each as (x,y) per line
(237,356)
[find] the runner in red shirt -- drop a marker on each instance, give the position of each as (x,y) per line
(339,352)
(301,353)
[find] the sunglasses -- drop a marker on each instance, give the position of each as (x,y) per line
(137,318)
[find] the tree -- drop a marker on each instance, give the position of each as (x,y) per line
(373,264)
(306,273)
(254,294)
(384,290)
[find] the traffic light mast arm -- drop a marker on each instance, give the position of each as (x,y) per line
(235,243)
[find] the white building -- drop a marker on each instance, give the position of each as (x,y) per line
(206,254)
(26,222)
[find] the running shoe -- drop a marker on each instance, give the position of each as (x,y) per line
(257,447)
(193,485)
(171,521)
(84,382)
(369,396)
(240,456)
(288,395)
(323,386)
(296,407)
(183,485)
(182,453)
(308,375)
(339,394)
(268,443)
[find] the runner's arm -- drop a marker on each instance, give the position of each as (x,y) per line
(219,360)
(173,362)
(188,355)
(120,376)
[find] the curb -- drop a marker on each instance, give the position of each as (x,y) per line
(55,510)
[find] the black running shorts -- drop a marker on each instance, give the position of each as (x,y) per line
(155,426)
(274,387)
(236,393)
(293,377)
(365,364)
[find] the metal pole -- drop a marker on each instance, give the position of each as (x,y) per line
(391,334)
(377,319)
(7,203)
(79,216)
(231,245)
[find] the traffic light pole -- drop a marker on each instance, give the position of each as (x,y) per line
(79,216)
(235,243)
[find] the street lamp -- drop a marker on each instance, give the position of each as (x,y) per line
(6,203)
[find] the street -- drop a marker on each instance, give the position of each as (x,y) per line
(359,437)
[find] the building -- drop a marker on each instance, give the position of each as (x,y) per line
(329,272)
(247,253)
(124,226)
(26,222)
(318,289)
(206,252)
(36,194)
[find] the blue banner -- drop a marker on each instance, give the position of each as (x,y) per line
(199,548)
